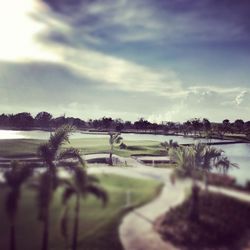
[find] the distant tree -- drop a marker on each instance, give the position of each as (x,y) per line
(154,127)
(14,179)
(127,125)
(226,126)
(187,127)
(247,126)
(226,122)
(223,128)
(206,125)
(239,125)
(59,121)
(78,123)
(96,124)
(114,138)
(247,129)
(4,120)
(142,124)
(119,127)
(43,119)
(169,147)
(196,124)
(79,186)
(22,120)
(107,122)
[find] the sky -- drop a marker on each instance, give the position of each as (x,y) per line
(162,60)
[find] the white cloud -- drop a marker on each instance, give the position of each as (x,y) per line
(240,97)
(121,74)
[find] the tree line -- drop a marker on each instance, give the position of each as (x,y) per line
(196,126)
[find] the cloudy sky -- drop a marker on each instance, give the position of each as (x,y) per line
(157,59)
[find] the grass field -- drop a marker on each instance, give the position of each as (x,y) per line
(28,147)
(98,225)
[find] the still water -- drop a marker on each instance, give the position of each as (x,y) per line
(237,153)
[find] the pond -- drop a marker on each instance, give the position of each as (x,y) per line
(237,153)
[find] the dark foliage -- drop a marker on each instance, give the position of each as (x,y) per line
(224,224)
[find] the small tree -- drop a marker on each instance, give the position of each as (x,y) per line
(199,159)
(14,179)
(79,186)
(114,138)
(169,147)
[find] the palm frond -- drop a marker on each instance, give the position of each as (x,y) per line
(17,174)
(92,178)
(67,194)
(71,153)
(114,138)
(60,137)
(118,140)
(98,192)
(224,164)
(44,152)
(80,178)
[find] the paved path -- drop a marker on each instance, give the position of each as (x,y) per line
(136,230)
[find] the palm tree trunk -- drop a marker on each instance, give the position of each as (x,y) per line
(110,156)
(45,239)
(206,181)
(194,204)
(76,223)
(12,237)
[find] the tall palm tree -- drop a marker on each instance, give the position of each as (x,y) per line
(79,186)
(14,179)
(114,138)
(53,155)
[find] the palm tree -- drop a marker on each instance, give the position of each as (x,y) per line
(202,159)
(169,147)
(209,158)
(52,155)
(185,160)
(79,186)
(224,164)
(114,138)
(14,179)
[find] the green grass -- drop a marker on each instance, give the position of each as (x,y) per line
(19,147)
(165,165)
(98,225)
(28,147)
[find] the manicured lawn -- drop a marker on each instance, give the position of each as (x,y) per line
(19,147)
(98,225)
(25,147)
(224,224)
